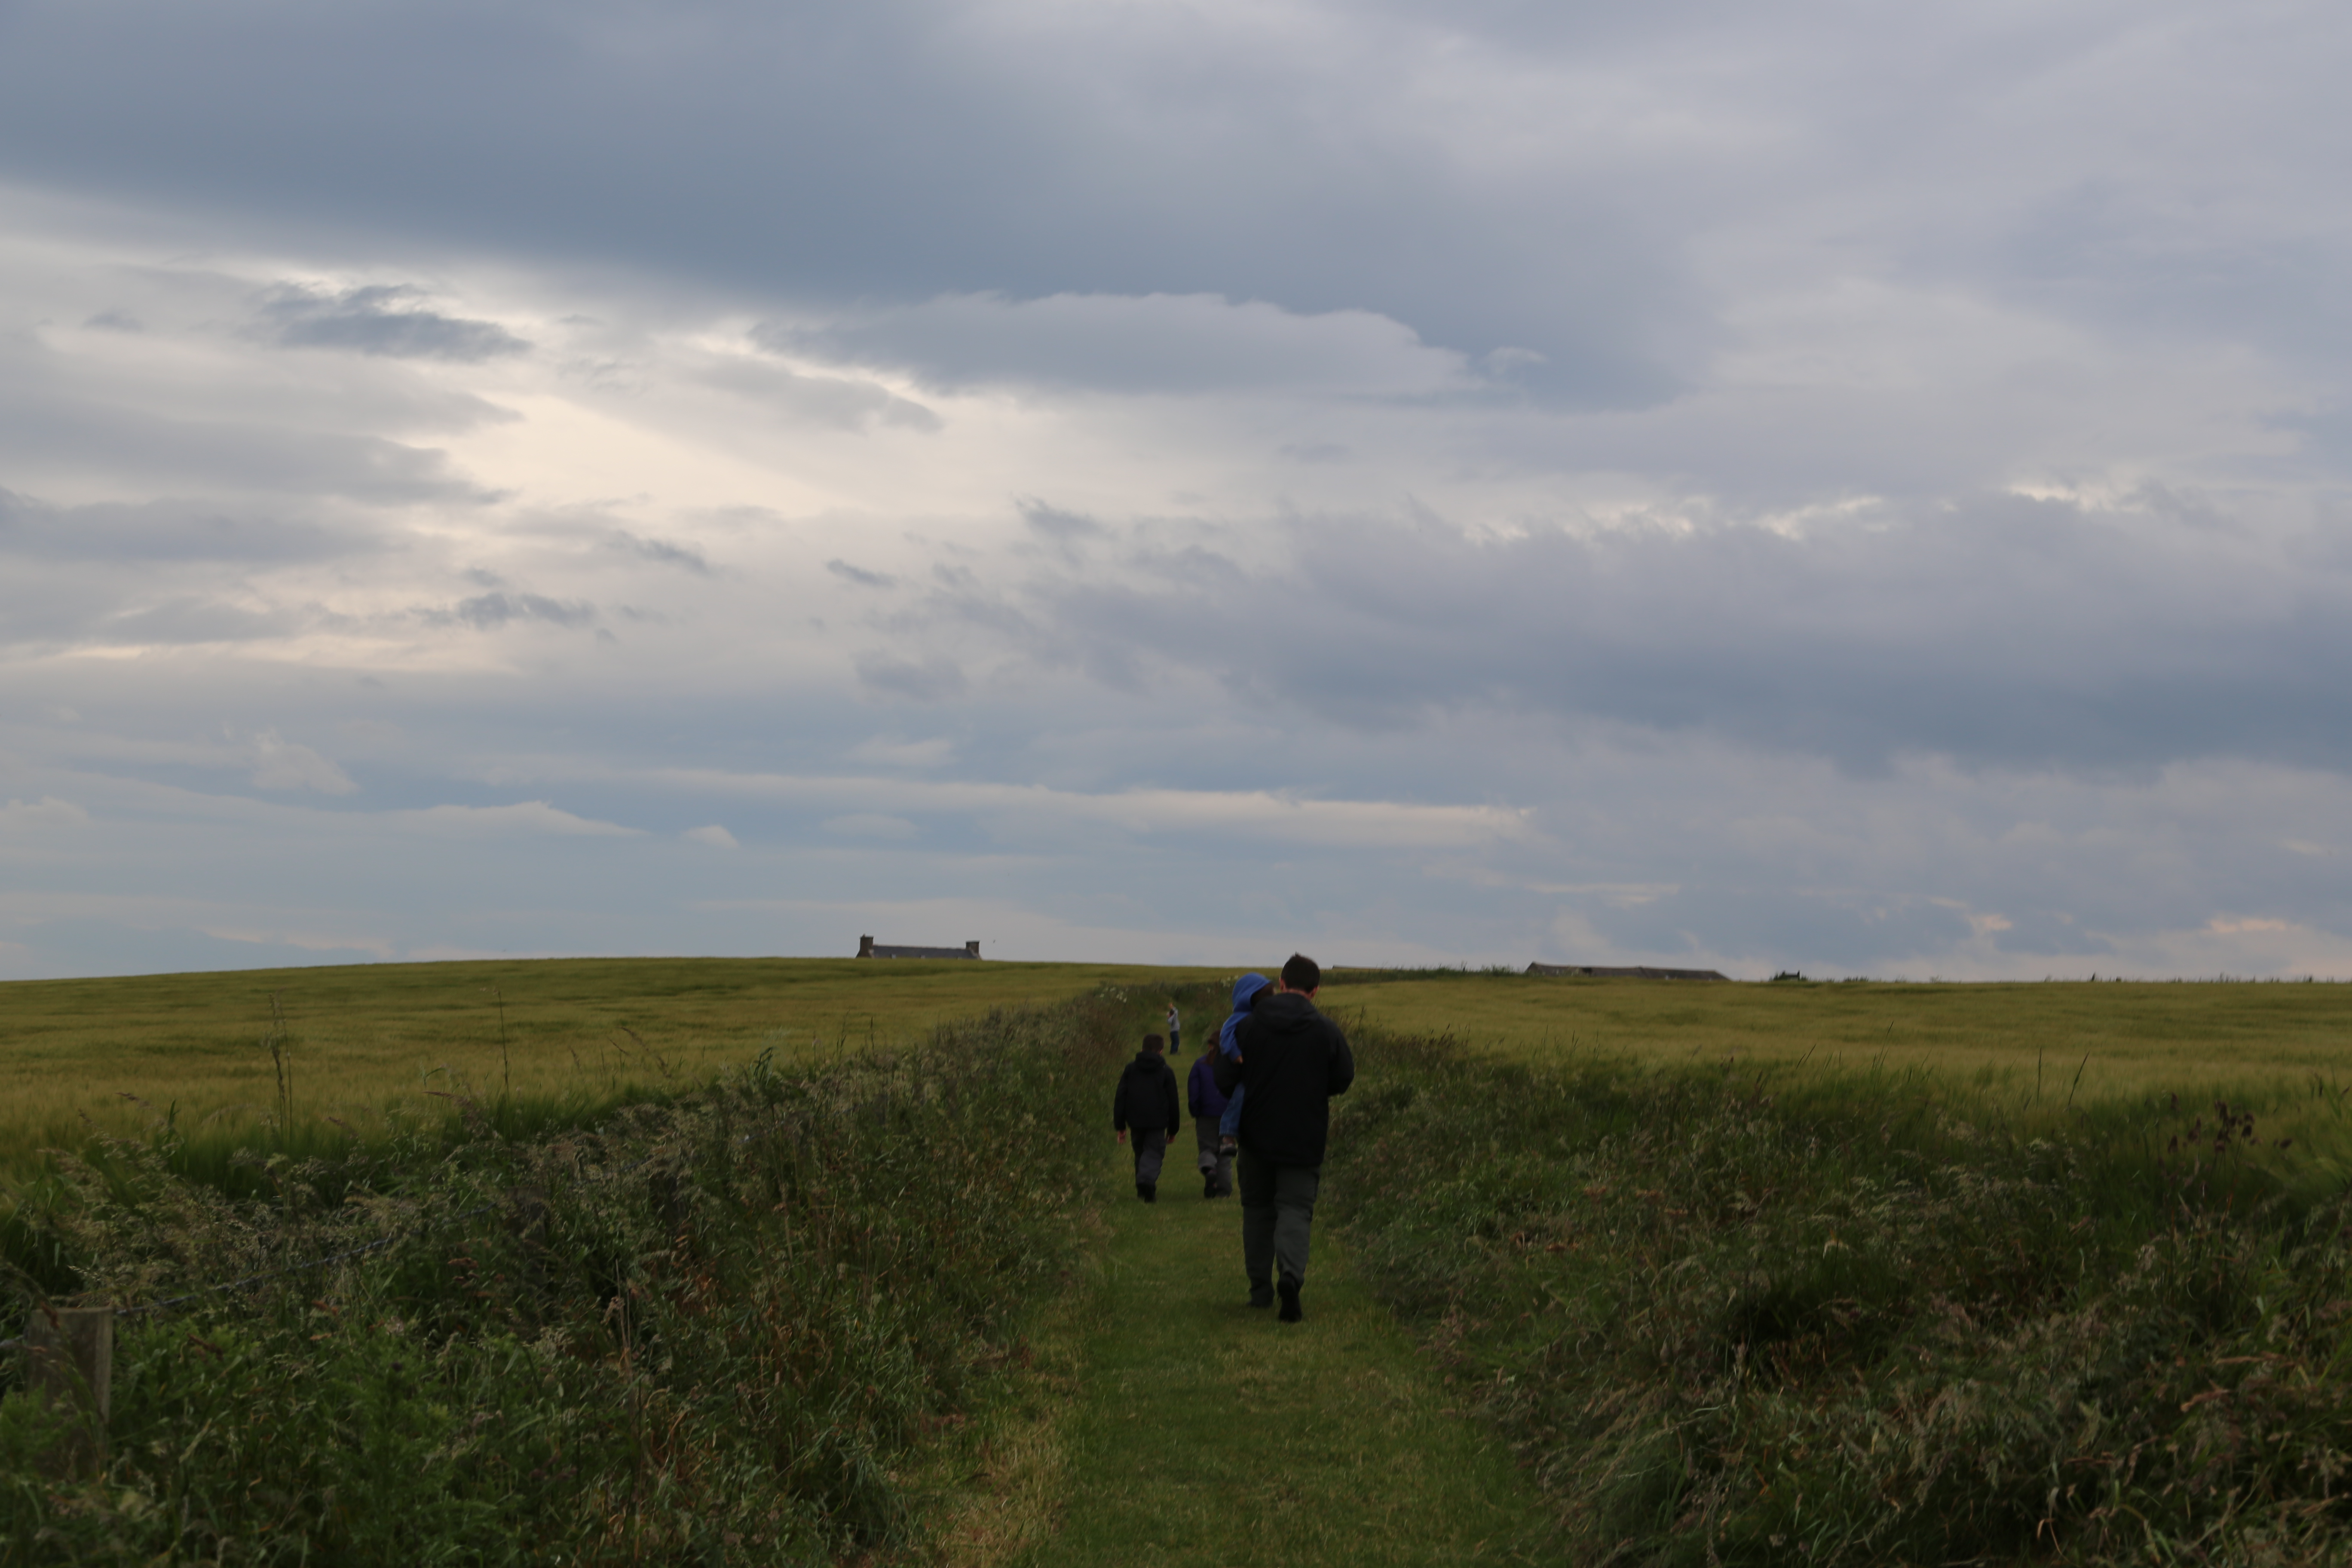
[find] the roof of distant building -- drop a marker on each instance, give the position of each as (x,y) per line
(1626,971)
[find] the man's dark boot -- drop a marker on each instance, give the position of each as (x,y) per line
(1151,1190)
(1290,1312)
(1261,1294)
(1209,1185)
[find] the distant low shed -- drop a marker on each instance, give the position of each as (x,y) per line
(868,948)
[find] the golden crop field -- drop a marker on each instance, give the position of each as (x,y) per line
(371,1041)
(2122,1038)
(368,1042)
(2033,1054)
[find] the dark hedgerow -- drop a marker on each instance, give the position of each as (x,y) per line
(707,1331)
(1821,1328)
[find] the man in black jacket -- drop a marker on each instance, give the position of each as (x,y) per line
(1292,1059)
(1148,1102)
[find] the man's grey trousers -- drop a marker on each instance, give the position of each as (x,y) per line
(1150,1148)
(1214,1161)
(1278,1218)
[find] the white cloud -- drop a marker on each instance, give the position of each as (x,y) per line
(1158,344)
(871,824)
(717,837)
(529,816)
(45,816)
(283,764)
(891,751)
(374,949)
(1258,815)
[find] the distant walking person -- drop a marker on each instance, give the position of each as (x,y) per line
(1175,1032)
(1292,1059)
(1148,1103)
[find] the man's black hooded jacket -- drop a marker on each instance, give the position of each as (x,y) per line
(1293,1060)
(1147,1096)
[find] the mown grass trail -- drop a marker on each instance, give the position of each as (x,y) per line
(1206,1434)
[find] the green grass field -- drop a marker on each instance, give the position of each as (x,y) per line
(367,1043)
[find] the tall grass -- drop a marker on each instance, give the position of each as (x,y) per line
(1758,1317)
(705,1330)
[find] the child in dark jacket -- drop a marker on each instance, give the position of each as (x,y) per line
(1146,1103)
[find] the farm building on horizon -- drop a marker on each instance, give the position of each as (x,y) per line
(868,948)
(1634,972)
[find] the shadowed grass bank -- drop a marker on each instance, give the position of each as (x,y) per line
(1748,1316)
(715,1330)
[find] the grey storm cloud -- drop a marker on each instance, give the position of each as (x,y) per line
(166,531)
(942,146)
(382,318)
(237,455)
(190,618)
(839,402)
(933,679)
(170,571)
(2005,633)
(488,612)
(859,575)
(1486,179)
(1162,344)
(661,551)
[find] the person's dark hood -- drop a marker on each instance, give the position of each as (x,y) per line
(1145,1059)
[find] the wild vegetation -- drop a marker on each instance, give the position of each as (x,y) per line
(1784,1273)
(1744,1314)
(706,1330)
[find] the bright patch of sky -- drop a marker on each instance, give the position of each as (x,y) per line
(1179,483)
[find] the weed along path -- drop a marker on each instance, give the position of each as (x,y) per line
(1207,1434)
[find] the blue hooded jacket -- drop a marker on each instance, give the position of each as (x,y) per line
(1245,991)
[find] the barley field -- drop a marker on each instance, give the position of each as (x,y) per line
(341,1051)
(344,1050)
(2121,1036)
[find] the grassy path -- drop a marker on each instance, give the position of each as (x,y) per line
(1207,1434)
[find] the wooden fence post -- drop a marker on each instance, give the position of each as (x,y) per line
(72,1374)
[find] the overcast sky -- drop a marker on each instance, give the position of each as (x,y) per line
(1845,488)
